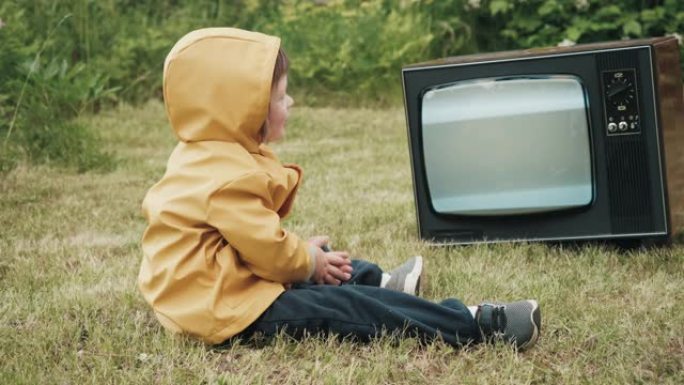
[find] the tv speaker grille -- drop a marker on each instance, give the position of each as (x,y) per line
(629,185)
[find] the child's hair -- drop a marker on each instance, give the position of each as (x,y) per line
(282,64)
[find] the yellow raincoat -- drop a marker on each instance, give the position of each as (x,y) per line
(215,254)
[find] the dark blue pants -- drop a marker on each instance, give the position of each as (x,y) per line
(360,309)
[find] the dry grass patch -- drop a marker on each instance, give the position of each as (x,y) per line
(70,311)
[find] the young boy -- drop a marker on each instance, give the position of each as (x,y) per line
(217,264)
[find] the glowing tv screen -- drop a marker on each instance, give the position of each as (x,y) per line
(507,145)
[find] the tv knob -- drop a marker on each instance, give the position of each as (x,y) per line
(622,126)
(612,127)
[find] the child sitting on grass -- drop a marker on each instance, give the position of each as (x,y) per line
(217,263)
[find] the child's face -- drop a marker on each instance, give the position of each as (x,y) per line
(278,111)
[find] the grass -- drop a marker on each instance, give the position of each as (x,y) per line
(70,311)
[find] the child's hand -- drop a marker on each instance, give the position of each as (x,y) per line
(332,268)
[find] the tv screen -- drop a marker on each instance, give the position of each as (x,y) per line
(507,145)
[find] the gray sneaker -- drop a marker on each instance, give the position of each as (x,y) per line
(406,278)
(518,322)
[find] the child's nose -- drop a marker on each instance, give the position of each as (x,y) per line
(290,101)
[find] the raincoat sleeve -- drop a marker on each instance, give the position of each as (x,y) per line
(243,211)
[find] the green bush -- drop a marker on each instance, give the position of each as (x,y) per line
(535,23)
(350,48)
(62,59)
(39,98)
(45,128)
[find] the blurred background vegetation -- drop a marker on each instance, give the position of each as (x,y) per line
(62,59)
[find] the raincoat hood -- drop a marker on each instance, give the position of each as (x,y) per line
(217,85)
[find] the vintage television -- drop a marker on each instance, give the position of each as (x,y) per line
(556,144)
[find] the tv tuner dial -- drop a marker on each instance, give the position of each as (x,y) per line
(612,127)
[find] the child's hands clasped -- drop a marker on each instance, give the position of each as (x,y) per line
(332,267)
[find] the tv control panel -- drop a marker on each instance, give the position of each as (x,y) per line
(621,102)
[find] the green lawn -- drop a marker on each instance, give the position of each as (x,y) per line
(70,312)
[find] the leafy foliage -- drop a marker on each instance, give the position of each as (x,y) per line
(39,97)
(62,59)
(353,47)
(534,23)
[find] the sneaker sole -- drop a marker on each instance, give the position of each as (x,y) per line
(535,318)
(412,282)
